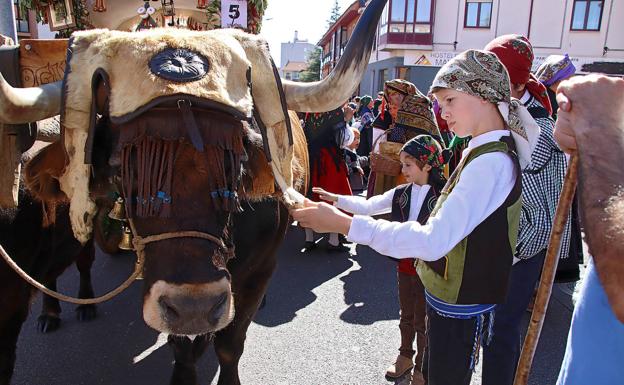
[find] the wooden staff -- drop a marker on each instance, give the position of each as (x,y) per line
(548,274)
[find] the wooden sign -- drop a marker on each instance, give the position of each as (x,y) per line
(42,61)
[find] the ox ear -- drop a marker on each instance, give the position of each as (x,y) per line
(43,171)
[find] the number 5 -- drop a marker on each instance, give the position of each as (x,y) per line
(234,12)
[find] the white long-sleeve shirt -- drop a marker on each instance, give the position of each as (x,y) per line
(382,204)
(482,187)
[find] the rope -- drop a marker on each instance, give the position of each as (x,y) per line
(138,268)
(139,245)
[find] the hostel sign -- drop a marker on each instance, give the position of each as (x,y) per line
(428,58)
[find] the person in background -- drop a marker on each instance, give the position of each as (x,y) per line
(326,133)
(554,70)
(365,112)
(413,117)
(423,162)
(594,130)
(356,164)
(376,106)
(357,101)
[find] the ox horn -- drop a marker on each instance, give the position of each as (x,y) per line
(331,92)
(25,105)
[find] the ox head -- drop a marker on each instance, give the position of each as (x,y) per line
(163,118)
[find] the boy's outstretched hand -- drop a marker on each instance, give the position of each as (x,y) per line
(322,218)
(325,195)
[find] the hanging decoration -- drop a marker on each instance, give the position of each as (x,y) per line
(168,9)
(99,6)
(80,11)
(255,12)
(145,13)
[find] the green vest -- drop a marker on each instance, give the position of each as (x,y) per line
(476,270)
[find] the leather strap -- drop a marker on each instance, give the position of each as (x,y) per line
(191,125)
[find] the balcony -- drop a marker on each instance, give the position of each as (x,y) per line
(407,24)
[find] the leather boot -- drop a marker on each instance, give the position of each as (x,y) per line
(400,367)
(417,378)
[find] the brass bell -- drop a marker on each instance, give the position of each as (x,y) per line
(126,239)
(118,212)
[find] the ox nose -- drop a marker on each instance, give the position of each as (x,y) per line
(187,309)
(178,309)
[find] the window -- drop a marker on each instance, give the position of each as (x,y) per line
(478,14)
(295,76)
(403,73)
(21,20)
(409,16)
(398,10)
(384,76)
(586,15)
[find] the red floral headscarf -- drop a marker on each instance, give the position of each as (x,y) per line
(516,54)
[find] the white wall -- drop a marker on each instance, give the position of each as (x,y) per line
(513,17)
(549,30)
(295,52)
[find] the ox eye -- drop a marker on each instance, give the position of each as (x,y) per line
(151,10)
(141,10)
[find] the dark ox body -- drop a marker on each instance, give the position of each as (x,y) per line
(44,253)
(258,232)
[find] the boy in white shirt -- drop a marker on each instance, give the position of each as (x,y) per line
(422,161)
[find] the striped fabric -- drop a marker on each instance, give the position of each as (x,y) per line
(446,309)
(541,186)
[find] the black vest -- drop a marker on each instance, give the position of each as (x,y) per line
(401,202)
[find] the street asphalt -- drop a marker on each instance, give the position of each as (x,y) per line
(330,318)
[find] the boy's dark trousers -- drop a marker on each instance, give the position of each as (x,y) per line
(501,356)
(412,319)
(449,351)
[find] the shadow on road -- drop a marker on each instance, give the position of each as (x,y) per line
(371,291)
(297,274)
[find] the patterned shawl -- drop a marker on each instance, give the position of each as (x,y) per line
(416,112)
(516,54)
(481,74)
(554,69)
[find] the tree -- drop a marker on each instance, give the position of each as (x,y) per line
(334,14)
(313,72)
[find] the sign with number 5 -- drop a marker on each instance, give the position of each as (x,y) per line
(234,13)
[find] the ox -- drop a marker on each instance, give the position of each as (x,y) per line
(192,129)
(45,252)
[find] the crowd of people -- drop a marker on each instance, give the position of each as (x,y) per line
(460,184)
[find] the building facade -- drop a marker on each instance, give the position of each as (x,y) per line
(335,39)
(416,37)
(294,56)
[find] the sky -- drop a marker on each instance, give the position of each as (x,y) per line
(309,17)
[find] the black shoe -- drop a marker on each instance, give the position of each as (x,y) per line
(338,248)
(308,246)
(342,239)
